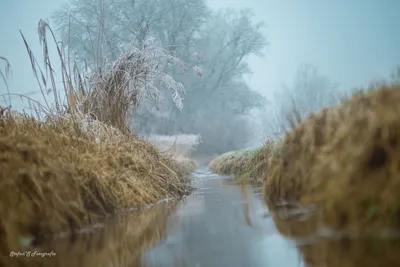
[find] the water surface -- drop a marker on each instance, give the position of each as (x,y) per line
(220,224)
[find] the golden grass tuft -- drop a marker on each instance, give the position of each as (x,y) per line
(53,179)
(346,160)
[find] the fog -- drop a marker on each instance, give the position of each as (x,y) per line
(339,44)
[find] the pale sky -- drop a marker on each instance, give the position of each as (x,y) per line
(352,42)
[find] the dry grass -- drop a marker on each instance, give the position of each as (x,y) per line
(78,161)
(231,163)
(346,160)
(120,243)
(260,161)
(180,147)
(299,153)
(52,178)
(250,165)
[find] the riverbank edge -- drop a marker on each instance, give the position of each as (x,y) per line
(58,176)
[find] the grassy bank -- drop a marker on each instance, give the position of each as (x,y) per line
(246,164)
(345,159)
(231,163)
(54,179)
(78,161)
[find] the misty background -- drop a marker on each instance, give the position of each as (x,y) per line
(255,63)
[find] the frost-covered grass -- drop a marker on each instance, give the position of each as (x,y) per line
(179,147)
(74,160)
(248,164)
(231,163)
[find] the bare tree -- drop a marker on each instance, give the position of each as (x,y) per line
(309,92)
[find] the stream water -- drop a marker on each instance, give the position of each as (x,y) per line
(220,224)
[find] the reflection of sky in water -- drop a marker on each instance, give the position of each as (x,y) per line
(277,251)
(210,230)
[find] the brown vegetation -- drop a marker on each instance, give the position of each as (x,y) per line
(230,163)
(346,160)
(250,165)
(53,179)
(256,171)
(79,160)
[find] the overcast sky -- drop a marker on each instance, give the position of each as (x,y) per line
(352,42)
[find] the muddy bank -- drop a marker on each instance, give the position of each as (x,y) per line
(119,242)
(345,160)
(55,177)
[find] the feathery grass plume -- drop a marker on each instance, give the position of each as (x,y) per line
(77,161)
(111,92)
(135,76)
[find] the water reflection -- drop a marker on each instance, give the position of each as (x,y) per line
(222,225)
(119,243)
(322,247)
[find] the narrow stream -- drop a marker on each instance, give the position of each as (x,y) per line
(217,226)
(210,229)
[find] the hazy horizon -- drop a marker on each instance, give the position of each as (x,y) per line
(351,43)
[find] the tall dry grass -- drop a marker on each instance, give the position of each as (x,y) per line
(53,179)
(256,171)
(345,160)
(75,161)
